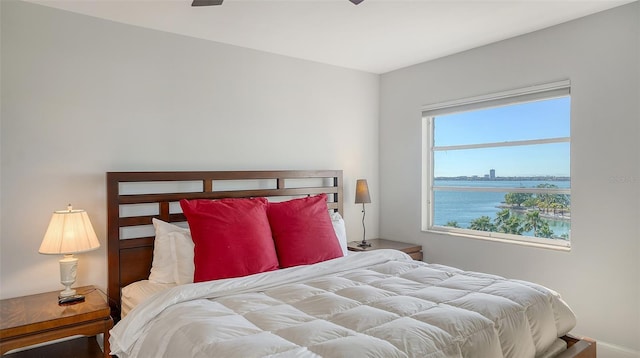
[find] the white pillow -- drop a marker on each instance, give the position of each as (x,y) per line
(172,254)
(184,257)
(341,231)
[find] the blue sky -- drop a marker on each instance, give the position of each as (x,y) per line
(532,120)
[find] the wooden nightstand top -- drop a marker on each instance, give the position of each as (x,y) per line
(415,251)
(28,320)
(24,315)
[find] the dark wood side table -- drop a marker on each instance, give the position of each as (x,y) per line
(413,250)
(29,320)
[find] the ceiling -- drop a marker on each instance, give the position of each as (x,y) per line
(376,36)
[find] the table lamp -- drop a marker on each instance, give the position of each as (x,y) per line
(363,197)
(69,232)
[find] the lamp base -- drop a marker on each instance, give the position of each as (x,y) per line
(68,268)
(364,243)
(68,292)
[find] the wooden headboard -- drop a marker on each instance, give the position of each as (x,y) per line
(134,198)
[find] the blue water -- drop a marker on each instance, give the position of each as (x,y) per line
(464,207)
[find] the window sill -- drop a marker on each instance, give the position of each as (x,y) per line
(541,245)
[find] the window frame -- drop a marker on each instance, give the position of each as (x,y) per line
(545,91)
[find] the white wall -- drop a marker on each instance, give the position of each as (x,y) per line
(600,277)
(83,96)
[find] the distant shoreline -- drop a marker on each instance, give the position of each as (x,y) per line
(477,178)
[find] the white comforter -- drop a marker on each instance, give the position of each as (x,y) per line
(376,304)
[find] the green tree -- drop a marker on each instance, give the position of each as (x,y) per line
(516,198)
(543,204)
(482,223)
(507,223)
(531,202)
(502,217)
(452,223)
(552,201)
(544,230)
(512,226)
(533,221)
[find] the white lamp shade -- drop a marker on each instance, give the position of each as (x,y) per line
(69,232)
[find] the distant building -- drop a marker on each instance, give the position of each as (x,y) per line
(492,173)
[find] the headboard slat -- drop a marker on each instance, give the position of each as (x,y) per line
(154,198)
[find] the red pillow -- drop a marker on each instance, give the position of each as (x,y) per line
(232,237)
(302,231)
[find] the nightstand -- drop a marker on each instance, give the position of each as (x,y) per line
(415,251)
(29,320)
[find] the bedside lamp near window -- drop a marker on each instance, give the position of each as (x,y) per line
(70,232)
(363,197)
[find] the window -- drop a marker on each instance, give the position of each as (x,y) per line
(497,167)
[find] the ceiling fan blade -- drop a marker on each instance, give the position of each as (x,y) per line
(219,2)
(208,2)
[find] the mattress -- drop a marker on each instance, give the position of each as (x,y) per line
(379,304)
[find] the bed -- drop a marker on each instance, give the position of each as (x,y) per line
(380,303)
